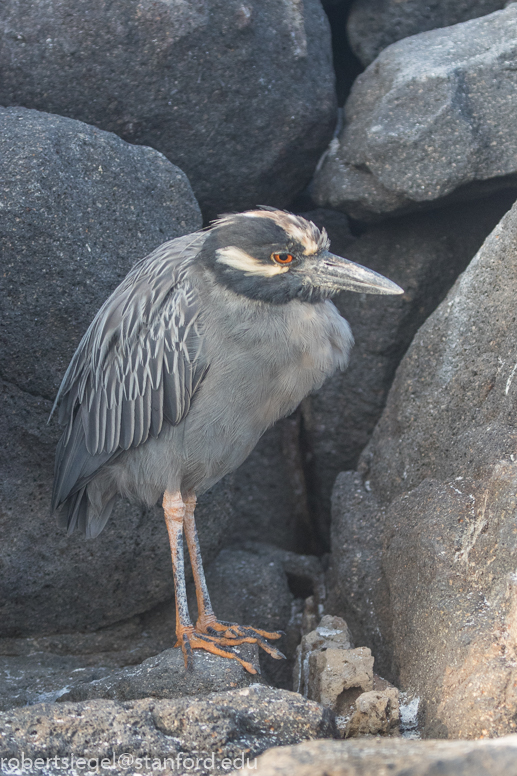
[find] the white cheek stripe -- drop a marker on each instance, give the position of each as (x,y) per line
(239,259)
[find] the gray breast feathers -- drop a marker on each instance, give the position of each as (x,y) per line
(139,364)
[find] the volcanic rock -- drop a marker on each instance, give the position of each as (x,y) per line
(424,542)
(375,24)
(239,724)
(263,586)
(239,94)
(375,713)
(165,676)
(330,633)
(431,118)
(398,757)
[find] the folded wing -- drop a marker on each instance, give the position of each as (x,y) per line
(138,366)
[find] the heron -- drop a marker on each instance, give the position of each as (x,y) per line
(204,345)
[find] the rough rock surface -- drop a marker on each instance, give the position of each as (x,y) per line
(337,677)
(239,95)
(79,207)
(380,757)
(38,669)
(255,584)
(249,585)
(330,633)
(225,725)
(126,643)
(423,253)
(423,565)
(375,713)
(165,676)
(42,677)
(270,493)
(374,24)
(329,670)
(432,117)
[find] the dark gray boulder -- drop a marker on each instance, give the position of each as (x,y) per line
(78,207)
(165,676)
(424,537)
(42,668)
(239,95)
(249,585)
(43,677)
(375,24)
(424,254)
(270,495)
(432,118)
(47,677)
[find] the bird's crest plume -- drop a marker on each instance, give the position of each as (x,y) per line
(299,229)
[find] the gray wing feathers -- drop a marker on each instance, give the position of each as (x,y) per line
(75,467)
(138,364)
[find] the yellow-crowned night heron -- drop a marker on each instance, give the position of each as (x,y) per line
(204,345)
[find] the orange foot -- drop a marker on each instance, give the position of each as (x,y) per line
(213,634)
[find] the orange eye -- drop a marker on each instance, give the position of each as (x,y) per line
(282,258)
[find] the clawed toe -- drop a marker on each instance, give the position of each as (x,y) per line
(239,631)
(191,639)
(232,634)
(220,637)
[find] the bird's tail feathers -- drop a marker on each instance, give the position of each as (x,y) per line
(73,513)
(79,513)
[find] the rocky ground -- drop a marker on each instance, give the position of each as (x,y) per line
(376,526)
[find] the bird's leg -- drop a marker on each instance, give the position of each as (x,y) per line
(224,633)
(174,509)
(204,605)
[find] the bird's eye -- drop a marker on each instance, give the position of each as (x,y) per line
(282,258)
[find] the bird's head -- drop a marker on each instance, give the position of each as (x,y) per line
(274,256)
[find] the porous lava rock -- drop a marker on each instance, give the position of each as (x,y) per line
(398,757)
(431,118)
(376,713)
(424,538)
(238,724)
(238,93)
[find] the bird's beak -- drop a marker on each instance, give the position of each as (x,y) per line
(332,271)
